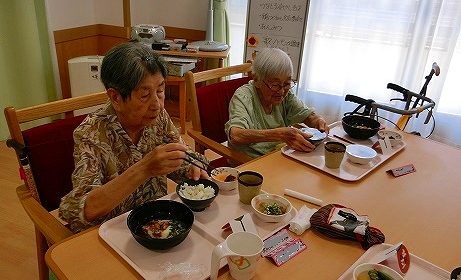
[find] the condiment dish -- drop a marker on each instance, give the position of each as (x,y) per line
(225,177)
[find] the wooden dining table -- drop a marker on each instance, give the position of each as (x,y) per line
(422,209)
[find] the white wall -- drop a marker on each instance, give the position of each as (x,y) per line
(63,14)
(176,13)
(109,12)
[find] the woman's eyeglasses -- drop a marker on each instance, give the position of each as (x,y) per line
(277,87)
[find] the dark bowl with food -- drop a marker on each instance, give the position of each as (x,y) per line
(160,224)
(197,195)
(360,127)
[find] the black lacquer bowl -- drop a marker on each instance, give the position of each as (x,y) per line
(198,205)
(159,210)
(360,127)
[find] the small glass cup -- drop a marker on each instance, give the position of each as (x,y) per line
(249,185)
(334,153)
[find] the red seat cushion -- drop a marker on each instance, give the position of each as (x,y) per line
(219,162)
(50,149)
(213,103)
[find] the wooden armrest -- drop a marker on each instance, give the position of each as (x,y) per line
(236,156)
(53,230)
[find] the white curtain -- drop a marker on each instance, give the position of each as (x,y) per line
(358,46)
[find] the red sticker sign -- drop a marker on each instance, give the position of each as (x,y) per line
(403,258)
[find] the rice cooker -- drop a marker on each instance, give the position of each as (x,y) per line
(148,33)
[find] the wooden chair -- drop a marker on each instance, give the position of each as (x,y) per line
(45,156)
(210,110)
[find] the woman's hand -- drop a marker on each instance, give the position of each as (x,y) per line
(196,173)
(297,139)
(322,125)
(164,159)
(318,122)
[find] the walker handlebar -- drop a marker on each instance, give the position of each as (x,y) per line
(397,88)
(369,102)
(356,99)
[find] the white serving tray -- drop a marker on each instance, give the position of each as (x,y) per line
(419,268)
(347,171)
(192,258)
(187,256)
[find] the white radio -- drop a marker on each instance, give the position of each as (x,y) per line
(148,33)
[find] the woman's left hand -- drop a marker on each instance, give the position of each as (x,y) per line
(318,122)
(322,125)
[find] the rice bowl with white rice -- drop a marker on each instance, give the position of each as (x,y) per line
(197,192)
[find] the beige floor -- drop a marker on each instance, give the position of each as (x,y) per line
(17,239)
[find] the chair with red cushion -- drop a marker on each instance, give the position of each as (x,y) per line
(45,156)
(210,110)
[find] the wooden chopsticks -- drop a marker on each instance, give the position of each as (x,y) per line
(343,139)
(191,158)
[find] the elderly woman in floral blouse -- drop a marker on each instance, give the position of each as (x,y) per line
(125,151)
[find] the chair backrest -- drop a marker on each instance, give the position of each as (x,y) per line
(213,103)
(49,147)
(210,103)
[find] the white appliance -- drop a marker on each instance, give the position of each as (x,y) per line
(148,33)
(84,75)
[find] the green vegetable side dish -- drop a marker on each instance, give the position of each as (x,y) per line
(272,208)
(378,275)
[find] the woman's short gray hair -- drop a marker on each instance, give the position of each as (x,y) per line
(271,62)
(126,65)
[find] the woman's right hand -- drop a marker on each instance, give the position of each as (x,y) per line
(297,139)
(164,159)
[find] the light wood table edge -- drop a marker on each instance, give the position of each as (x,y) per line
(58,272)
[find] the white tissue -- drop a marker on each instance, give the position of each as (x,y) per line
(301,222)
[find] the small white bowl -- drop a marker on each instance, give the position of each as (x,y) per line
(258,201)
(219,175)
(365,267)
(360,154)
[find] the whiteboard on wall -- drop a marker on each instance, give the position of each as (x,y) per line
(277,24)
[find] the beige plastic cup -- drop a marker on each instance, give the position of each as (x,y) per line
(249,185)
(334,153)
(242,251)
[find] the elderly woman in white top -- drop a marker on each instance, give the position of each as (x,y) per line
(262,111)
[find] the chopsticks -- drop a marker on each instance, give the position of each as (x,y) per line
(191,158)
(343,139)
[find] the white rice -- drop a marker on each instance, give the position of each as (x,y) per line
(197,192)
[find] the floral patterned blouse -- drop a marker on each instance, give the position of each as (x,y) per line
(102,151)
